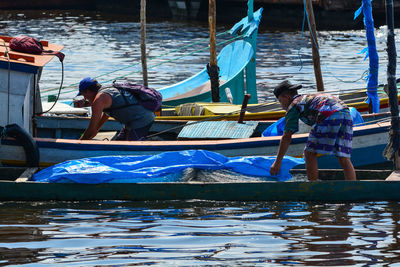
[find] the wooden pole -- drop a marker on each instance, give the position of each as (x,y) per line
(315,46)
(213,39)
(143,41)
(243,108)
(212,67)
(391,80)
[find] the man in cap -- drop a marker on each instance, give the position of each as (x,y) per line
(331,132)
(121,105)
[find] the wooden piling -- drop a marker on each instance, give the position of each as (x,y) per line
(315,46)
(143,40)
(212,67)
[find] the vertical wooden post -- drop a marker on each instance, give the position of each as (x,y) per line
(212,67)
(391,80)
(212,25)
(244,107)
(143,40)
(315,46)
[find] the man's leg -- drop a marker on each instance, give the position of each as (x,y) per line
(138,134)
(311,165)
(122,135)
(349,173)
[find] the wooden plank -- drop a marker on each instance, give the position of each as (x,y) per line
(218,130)
(19,57)
(325,191)
(27,174)
(394,176)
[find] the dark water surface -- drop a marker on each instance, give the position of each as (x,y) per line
(199,233)
(193,233)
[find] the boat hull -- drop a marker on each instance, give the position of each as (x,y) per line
(332,191)
(368,144)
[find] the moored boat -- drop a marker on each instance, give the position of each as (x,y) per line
(368,144)
(370,186)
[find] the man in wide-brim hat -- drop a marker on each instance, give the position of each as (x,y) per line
(331,132)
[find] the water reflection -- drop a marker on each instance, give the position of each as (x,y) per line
(200,233)
(19,224)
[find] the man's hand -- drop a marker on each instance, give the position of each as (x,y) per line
(283,147)
(275,167)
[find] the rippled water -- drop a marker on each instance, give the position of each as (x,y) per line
(193,233)
(97,43)
(199,233)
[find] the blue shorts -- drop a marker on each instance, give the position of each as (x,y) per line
(332,136)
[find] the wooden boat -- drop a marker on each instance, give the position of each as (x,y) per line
(237,68)
(371,138)
(368,144)
(66,122)
(261,111)
(370,186)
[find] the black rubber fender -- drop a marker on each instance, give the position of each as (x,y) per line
(24,139)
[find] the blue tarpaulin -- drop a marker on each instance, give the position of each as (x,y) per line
(372,53)
(164,167)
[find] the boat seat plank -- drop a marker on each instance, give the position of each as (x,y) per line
(105,136)
(394,176)
(218,130)
(27,174)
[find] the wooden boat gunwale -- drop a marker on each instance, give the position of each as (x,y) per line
(325,190)
(371,138)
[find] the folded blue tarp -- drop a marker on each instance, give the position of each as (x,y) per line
(164,167)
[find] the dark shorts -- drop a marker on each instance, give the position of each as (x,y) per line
(133,134)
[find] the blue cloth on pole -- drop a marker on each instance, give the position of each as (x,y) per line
(164,167)
(372,53)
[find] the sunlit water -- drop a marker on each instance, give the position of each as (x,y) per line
(193,233)
(96,44)
(199,233)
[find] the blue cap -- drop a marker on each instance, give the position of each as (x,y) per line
(85,83)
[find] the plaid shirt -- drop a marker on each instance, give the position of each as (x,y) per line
(311,109)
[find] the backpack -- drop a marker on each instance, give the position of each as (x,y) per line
(148,98)
(30,45)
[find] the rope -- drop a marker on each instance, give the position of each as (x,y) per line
(6,53)
(301,38)
(59,90)
(152,58)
